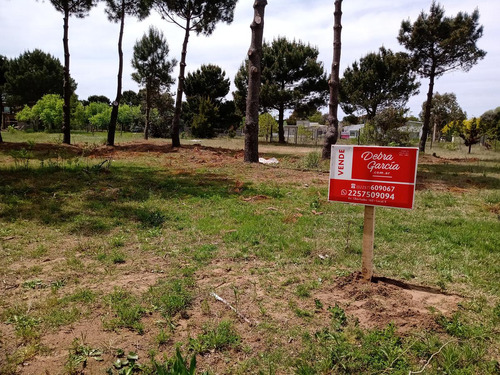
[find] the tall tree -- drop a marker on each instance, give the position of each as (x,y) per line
(332,133)
(200,16)
(3,70)
(205,90)
(116,11)
(292,78)
(440,44)
(79,9)
(98,99)
(208,81)
(254,81)
(445,109)
(153,69)
(32,75)
(131,98)
(491,121)
(379,80)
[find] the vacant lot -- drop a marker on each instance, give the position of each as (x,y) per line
(139,250)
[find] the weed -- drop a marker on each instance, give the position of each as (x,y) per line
(301,313)
(458,328)
(176,366)
(318,304)
(312,160)
(162,337)
(58,315)
(81,295)
(170,296)
(303,291)
(338,317)
(117,257)
(40,251)
(204,253)
(151,218)
(34,284)
(21,158)
(496,311)
(26,326)
(78,355)
(128,311)
(220,337)
(126,365)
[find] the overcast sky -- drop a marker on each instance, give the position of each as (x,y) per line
(367,25)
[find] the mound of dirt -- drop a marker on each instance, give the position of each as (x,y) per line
(386,301)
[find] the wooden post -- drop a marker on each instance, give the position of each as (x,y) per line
(368,238)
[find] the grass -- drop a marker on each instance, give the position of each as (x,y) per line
(137,245)
(215,337)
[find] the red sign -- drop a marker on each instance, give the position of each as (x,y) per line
(375,176)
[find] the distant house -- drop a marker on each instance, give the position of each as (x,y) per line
(8,118)
(351,131)
(314,131)
(413,128)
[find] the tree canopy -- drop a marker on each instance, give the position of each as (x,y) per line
(153,68)
(200,16)
(205,91)
(445,109)
(32,75)
(378,81)
(439,44)
(207,81)
(491,120)
(292,78)
(77,8)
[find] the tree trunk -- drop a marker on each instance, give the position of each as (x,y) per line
(427,113)
(254,75)
(66,128)
(281,121)
(180,89)
(148,108)
(1,116)
(116,103)
(332,132)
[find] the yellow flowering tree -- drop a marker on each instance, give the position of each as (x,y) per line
(470,131)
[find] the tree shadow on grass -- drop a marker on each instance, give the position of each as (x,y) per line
(95,201)
(459,175)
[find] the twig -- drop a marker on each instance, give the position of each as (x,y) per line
(218,298)
(430,358)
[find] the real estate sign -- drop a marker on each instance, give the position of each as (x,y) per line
(373,176)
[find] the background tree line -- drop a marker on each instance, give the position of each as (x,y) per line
(375,89)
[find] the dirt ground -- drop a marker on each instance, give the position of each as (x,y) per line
(373,305)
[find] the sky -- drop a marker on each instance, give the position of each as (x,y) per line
(367,25)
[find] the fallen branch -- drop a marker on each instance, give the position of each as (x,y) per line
(430,358)
(218,298)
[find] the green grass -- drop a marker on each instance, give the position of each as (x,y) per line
(126,311)
(167,231)
(215,337)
